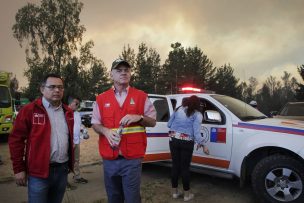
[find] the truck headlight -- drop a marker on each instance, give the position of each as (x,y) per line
(8,119)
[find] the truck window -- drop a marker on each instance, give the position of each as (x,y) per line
(5,101)
(162,108)
(207,105)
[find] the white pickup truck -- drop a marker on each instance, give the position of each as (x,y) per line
(243,143)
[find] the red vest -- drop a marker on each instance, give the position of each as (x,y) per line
(134,140)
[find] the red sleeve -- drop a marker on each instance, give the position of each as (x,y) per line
(17,140)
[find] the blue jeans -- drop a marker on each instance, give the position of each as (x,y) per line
(122,180)
(50,189)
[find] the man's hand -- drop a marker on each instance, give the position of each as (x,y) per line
(111,136)
(21,179)
(130,118)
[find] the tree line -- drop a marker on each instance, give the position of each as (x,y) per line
(52,35)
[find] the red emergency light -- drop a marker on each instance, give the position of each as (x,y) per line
(191,89)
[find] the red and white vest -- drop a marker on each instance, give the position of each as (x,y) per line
(134,139)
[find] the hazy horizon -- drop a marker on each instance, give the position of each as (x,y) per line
(257,38)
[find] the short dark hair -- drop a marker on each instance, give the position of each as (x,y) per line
(71,98)
(50,75)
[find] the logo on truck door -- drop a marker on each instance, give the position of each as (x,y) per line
(205,134)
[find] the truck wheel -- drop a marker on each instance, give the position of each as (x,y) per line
(279,178)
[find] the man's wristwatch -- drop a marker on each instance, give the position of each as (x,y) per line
(141,118)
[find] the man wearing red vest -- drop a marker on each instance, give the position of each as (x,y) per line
(120,116)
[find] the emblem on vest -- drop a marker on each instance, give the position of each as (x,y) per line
(38,119)
(107,105)
(132,102)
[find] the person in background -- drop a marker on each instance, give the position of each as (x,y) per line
(254,104)
(120,116)
(185,129)
(74,103)
(41,144)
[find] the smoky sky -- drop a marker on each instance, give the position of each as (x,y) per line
(257,38)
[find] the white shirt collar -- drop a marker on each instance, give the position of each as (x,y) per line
(47,104)
(124,90)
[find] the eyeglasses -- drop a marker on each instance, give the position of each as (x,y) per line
(53,87)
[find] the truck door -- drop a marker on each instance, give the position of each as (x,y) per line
(158,140)
(219,139)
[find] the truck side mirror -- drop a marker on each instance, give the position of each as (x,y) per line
(212,116)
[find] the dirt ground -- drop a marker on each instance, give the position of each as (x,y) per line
(155,187)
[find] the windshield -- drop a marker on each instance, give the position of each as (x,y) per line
(243,111)
(293,109)
(5,98)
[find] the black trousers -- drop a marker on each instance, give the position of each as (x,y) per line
(181,153)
